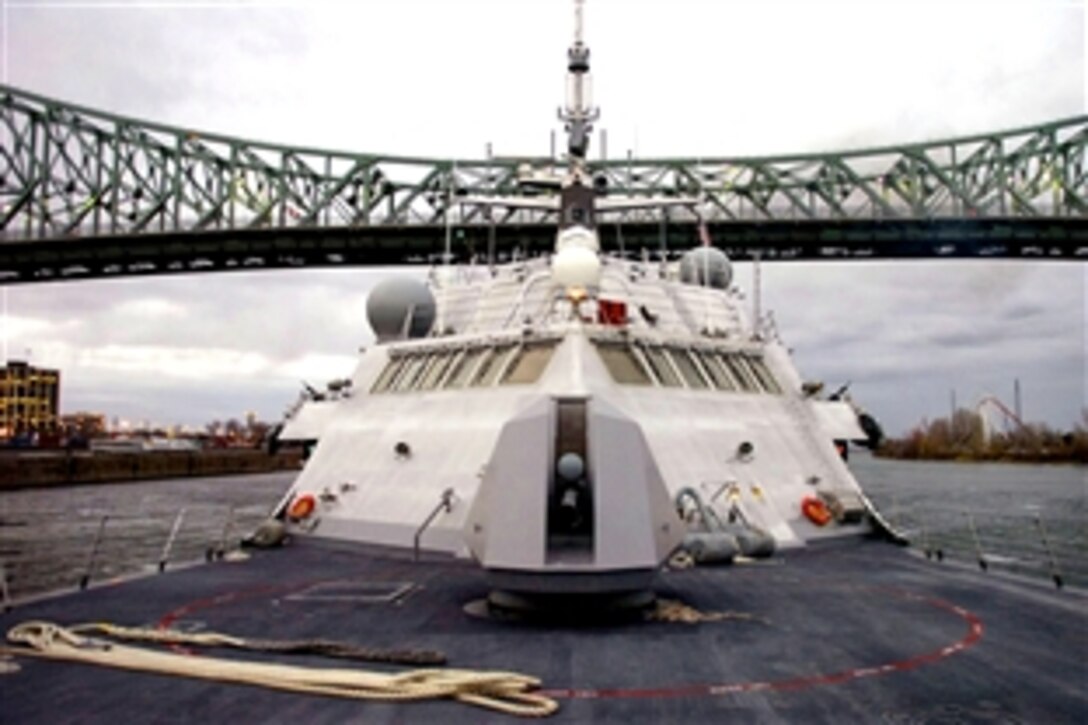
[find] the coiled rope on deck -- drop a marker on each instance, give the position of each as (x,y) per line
(671,610)
(507,692)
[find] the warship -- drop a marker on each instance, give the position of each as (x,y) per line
(553,413)
(600,489)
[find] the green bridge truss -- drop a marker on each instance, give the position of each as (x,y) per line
(87,193)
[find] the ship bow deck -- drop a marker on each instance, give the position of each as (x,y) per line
(847,632)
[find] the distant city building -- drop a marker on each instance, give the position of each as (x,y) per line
(29,399)
(84,425)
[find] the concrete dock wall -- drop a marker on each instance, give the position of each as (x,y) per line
(33,469)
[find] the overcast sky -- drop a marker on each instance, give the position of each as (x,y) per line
(673,79)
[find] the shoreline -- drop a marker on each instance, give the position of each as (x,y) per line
(35,469)
(1005,460)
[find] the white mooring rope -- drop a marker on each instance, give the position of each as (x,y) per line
(507,692)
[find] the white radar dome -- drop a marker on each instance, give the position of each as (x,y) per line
(577,236)
(706,267)
(576,267)
(575,263)
(400,305)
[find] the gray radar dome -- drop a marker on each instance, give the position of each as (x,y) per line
(398,305)
(706,267)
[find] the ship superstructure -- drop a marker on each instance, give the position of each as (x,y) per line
(569,422)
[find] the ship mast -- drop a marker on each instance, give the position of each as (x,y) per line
(576,265)
(579,113)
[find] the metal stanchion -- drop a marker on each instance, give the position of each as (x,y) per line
(5,595)
(1052,560)
(982,563)
(218,552)
(170,540)
(86,578)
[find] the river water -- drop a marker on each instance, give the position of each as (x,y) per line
(47,536)
(1029,519)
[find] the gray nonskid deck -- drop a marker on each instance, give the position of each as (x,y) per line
(859,632)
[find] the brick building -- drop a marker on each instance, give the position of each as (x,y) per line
(84,425)
(29,399)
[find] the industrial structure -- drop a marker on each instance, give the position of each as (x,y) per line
(86,193)
(29,400)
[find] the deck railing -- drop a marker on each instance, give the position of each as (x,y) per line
(1025,543)
(46,551)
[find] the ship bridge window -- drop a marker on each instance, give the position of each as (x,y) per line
(747,373)
(688,371)
(763,374)
(622,364)
(465,367)
(440,363)
(746,381)
(410,373)
(717,372)
(529,362)
(388,374)
(492,365)
(662,369)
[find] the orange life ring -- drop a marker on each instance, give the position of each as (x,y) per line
(302,506)
(816,511)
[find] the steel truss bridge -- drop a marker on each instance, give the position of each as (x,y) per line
(84,193)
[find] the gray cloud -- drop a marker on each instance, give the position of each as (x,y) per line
(914,332)
(1025,312)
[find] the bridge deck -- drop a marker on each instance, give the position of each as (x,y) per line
(85,193)
(249,250)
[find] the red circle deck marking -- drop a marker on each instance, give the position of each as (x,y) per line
(168,619)
(972,636)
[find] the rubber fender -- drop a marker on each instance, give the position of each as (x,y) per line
(269,534)
(756,543)
(711,548)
